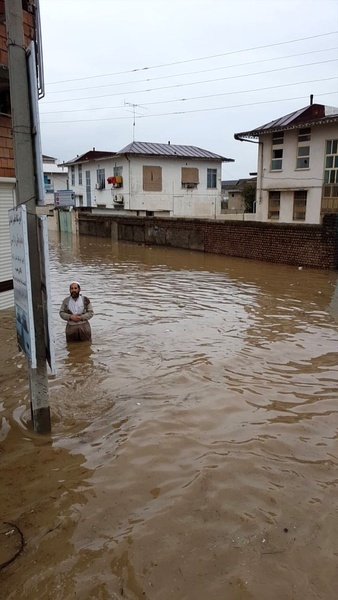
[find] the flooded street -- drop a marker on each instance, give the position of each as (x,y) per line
(194,445)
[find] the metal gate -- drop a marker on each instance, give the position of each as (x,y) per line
(65,221)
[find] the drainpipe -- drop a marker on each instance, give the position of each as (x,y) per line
(241,139)
(126,155)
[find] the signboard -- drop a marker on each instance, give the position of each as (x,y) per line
(22,282)
(46,293)
(64,198)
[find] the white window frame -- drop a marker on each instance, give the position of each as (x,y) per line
(331,162)
(273,202)
(299,201)
(277,151)
(211,179)
(80,174)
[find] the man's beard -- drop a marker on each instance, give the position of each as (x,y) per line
(75,294)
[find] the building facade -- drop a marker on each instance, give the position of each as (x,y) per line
(7,170)
(145,179)
(297,172)
(55,178)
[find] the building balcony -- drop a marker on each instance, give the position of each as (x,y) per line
(329,198)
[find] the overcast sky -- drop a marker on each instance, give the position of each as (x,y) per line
(236,63)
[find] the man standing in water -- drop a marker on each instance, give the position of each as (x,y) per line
(77,310)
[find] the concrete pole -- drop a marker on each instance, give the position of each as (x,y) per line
(26,194)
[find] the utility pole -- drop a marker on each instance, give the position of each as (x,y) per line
(26,194)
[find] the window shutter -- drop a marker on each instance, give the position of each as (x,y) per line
(190,175)
(152,179)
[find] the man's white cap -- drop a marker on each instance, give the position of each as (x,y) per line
(76,283)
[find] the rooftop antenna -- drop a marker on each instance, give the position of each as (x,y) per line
(134,106)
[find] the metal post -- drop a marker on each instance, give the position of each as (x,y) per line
(26,194)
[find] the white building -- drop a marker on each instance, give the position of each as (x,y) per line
(55,177)
(147,179)
(297,173)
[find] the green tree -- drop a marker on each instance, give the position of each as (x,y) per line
(249,196)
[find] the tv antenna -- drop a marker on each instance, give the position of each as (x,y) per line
(134,107)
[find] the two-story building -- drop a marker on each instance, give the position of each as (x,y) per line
(55,178)
(30,17)
(297,173)
(149,179)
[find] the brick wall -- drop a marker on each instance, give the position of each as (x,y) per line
(6,138)
(303,245)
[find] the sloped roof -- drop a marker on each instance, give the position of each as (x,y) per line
(90,155)
(53,168)
(237,184)
(314,114)
(171,150)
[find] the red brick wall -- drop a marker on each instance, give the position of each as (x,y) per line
(302,245)
(6,138)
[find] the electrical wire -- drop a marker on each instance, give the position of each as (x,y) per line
(188,99)
(166,87)
(311,37)
(255,62)
(183,111)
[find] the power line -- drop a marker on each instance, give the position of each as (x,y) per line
(311,37)
(182,112)
(166,87)
(189,99)
(255,62)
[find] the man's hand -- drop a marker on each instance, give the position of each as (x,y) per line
(75,318)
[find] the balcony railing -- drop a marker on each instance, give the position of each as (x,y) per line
(329,198)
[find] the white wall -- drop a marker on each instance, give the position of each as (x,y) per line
(98,197)
(290,178)
(174,199)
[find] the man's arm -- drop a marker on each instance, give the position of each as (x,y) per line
(63,311)
(88,312)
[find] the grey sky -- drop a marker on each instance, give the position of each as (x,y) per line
(88,44)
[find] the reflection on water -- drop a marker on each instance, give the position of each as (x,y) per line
(194,444)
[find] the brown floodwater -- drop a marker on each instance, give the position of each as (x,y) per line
(194,447)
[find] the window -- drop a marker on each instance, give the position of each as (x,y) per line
(100,179)
(118,171)
(277,160)
(274,205)
(5,103)
(72,175)
(303,157)
(304,135)
(299,205)
(80,174)
(303,153)
(331,162)
(189,177)
(88,189)
(278,138)
(211,178)
(152,179)
(49,187)
(277,151)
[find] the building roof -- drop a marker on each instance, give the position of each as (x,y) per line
(90,155)
(171,150)
(314,114)
(48,159)
(237,184)
(53,168)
